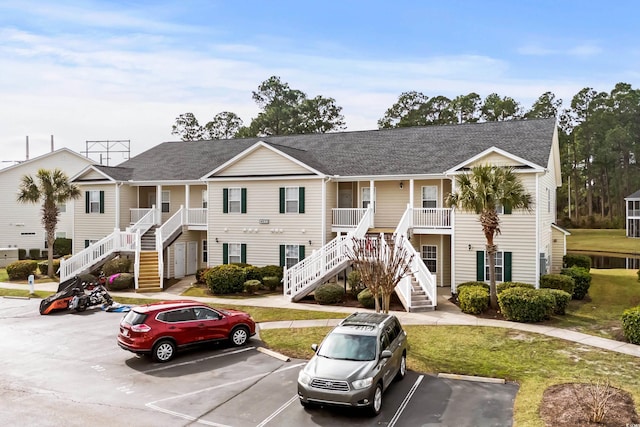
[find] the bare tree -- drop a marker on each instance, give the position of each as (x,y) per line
(381,266)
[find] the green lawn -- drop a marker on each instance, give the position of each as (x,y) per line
(4,277)
(608,240)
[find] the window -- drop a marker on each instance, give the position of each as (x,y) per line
(366,197)
(429,256)
(89,242)
(291,199)
(234,253)
(205,255)
(61,235)
(166,199)
(502,266)
(429,196)
(94,201)
(500,209)
(205,198)
(234,200)
(62,207)
(290,255)
(203,313)
(548,201)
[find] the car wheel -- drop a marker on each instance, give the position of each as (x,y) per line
(164,351)
(402,371)
(376,401)
(239,336)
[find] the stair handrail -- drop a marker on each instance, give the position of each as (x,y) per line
(81,261)
(320,262)
(147,221)
(169,227)
(159,249)
(136,262)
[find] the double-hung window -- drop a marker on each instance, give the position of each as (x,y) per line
(234,253)
(291,199)
(502,266)
(94,201)
(290,255)
(430,258)
(429,196)
(234,200)
(166,199)
(205,253)
(205,198)
(367,197)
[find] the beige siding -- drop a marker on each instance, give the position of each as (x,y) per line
(332,202)
(176,199)
(263,161)
(443,264)
(391,202)
(195,196)
(21,224)
(93,175)
(263,240)
(518,236)
(494,159)
(128,200)
(546,212)
(94,226)
(443,186)
(186,237)
(558,250)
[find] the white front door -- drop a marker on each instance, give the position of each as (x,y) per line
(178,260)
(192,257)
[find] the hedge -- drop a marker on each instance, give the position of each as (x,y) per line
(21,270)
(271,270)
(355,283)
(251,286)
(561,298)
(253,273)
(35,254)
(225,279)
(116,265)
(271,282)
(365,298)
(120,281)
(462,285)
(571,260)
(581,278)
(508,285)
(329,293)
(558,281)
(200,273)
(526,305)
(43,266)
(631,324)
(62,246)
(473,299)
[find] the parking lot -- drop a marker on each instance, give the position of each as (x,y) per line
(66,369)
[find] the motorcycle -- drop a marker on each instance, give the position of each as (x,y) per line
(67,290)
(93,294)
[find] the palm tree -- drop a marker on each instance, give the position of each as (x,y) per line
(52,188)
(482,191)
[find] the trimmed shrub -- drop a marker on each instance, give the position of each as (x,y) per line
(116,265)
(225,279)
(251,286)
(21,270)
(571,260)
(271,270)
(329,293)
(34,253)
(241,264)
(22,255)
(200,273)
(462,285)
(526,305)
(62,246)
(638,273)
(508,285)
(561,298)
(558,281)
(365,298)
(120,281)
(87,278)
(473,299)
(581,278)
(253,273)
(271,282)
(355,283)
(44,266)
(631,324)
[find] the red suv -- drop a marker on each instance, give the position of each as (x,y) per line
(161,328)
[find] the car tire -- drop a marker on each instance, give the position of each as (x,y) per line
(163,351)
(239,336)
(402,371)
(376,401)
(81,306)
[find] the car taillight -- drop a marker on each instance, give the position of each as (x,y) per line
(140,328)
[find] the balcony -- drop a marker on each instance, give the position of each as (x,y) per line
(346,219)
(424,220)
(194,218)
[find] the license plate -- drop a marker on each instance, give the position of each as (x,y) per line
(125,332)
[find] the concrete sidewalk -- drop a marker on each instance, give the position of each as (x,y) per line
(447,314)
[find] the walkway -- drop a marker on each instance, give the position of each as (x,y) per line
(446,314)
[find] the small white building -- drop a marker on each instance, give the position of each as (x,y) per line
(21,224)
(632,203)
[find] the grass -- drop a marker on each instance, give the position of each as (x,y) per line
(4,277)
(608,241)
(534,361)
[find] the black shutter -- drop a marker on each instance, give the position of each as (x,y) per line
(243,201)
(507,266)
(480,266)
(301,252)
(102,202)
(225,253)
(87,197)
(243,253)
(225,200)
(282,256)
(301,200)
(282,200)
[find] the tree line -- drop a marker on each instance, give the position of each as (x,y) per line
(599,134)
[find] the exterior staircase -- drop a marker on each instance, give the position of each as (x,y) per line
(420,301)
(148,240)
(148,277)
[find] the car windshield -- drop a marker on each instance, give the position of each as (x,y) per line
(134,318)
(348,347)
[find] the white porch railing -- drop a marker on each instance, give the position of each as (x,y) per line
(114,242)
(431,217)
(144,223)
(137,213)
(347,217)
(330,257)
(196,216)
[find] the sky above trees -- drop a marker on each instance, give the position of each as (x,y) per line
(103,70)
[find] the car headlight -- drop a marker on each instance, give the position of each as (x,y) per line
(303,378)
(364,383)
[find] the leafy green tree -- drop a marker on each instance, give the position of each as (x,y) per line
(545,106)
(405,112)
(437,111)
(496,109)
(188,128)
(51,188)
(467,107)
(224,125)
(482,191)
(320,115)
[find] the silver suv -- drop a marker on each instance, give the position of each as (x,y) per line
(355,363)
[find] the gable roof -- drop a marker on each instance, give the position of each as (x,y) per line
(49,154)
(635,195)
(391,152)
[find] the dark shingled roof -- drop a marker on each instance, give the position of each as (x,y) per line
(635,195)
(399,151)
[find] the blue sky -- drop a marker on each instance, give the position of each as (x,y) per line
(108,70)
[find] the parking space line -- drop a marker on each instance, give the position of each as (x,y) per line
(277,411)
(191,362)
(404,403)
(187,417)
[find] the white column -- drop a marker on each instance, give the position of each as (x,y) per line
(117,222)
(159,204)
(411,185)
(186,195)
(323,209)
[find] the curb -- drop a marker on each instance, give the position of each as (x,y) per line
(273,354)
(472,378)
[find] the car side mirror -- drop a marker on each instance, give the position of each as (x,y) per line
(314,347)
(386,354)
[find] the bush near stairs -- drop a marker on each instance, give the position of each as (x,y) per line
(121,281)
(225,279)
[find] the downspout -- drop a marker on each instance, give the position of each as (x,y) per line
(537,250)
(117,219)
(323,209)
